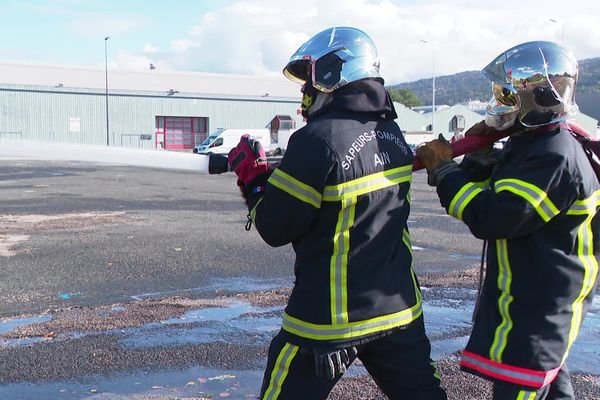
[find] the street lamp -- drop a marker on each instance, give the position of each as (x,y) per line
(433,84)
(106,82)
(563,29)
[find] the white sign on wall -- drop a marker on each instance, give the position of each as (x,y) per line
(75,124)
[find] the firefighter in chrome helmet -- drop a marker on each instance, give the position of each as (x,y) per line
(340,197)
(532,83)
(330,60)
(539,214)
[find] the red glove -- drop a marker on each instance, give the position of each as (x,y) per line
(248,160)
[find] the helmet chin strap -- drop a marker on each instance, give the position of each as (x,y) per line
(313,100)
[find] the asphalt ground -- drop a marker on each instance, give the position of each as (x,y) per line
(103,267)
(118,232)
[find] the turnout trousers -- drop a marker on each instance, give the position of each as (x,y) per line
(399,363)
(560,389)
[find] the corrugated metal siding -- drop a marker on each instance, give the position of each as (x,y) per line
(45,113)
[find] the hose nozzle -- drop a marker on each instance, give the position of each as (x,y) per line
(217,164)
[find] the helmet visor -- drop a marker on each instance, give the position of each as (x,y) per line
(333,58)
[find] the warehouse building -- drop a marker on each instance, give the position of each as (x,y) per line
(170,110)
(144,109)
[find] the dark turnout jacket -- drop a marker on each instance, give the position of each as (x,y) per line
(539,214)
(340,196)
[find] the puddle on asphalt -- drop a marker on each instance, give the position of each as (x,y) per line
(7,325)
(239,323)
(197,383)
(222,285)
(458,256)
(216,314)
(447,314)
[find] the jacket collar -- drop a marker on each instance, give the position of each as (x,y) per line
(363,96)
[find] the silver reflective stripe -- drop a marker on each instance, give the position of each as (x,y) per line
(526,395)
(294,187)
(585,253)
(579,208)
(352,329)
(586,206)
(511,374)
(465,195)
(535,196)
(504,301)
(368,183)
(340,261)
(280,371)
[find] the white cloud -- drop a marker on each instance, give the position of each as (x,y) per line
(182,45)
(149,49)
(257,37)
(127,60)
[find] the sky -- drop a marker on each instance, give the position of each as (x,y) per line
(414,38)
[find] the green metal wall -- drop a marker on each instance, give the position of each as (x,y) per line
(50,113)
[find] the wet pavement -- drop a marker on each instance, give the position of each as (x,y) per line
(131,283)
(189,323)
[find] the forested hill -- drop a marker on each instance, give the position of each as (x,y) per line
(472,85)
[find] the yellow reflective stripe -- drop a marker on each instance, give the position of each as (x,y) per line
(407,240)
(351,330)
(367,184)
(483,184)
(436,373)
(462,199)
(294,187)
(586,206)
(533,194)
(253,211)
(280,371)
(585,252)
(418,294)
(338,266)
(504,283)
(526,395)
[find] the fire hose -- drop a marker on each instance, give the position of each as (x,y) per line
(217,164)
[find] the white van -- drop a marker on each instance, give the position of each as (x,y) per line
(223,140)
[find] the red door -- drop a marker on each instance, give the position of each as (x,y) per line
(180,133)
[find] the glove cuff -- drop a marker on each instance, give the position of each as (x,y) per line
(485,159)
(443,168)
(254,190)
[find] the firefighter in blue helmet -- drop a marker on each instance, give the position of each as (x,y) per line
(339,197)
(538,210)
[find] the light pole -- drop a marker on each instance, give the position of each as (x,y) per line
(563,29)
(106,82)
(432,84)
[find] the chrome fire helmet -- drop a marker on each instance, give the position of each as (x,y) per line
(333,58)
(534,82)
